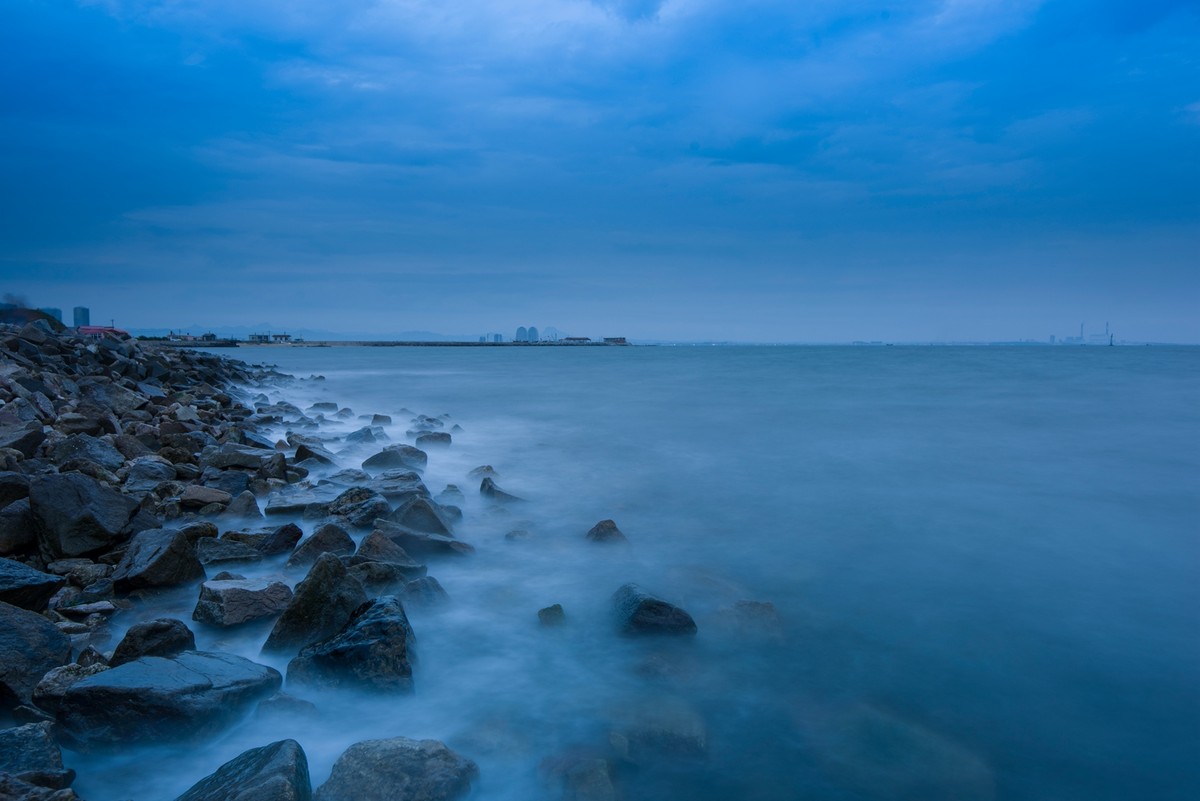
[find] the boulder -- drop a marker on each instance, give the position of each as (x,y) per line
(23,438)
(311,450)
(157,557)
(229,455)
(552,615)
(280,540)
(424,591)
(84,447)
(196,496)
(433,439)
(13,487)
(606,531)
(638,612)
(359,506)
(56,682)
(321,606)
(163,637)
(147,472)
(420,514)
(489,490)
(13,789)
(16,527)
(155,700)
(398,768)
(30,645)
(244,505)
(31,754)
(397,456)
(21,585)
(75,515)
(329,538)
(215,552)
(375,651)
(228,603)
(275,772)
(421,543)
(377,547)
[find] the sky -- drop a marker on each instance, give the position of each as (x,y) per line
(745,170)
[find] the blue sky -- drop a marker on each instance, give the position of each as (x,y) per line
(692,169)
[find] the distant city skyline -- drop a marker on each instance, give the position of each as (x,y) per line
(690,170)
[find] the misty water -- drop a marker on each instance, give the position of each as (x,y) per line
(984,563)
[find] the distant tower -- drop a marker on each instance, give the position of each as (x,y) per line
(533,334)
(83,316)
(497,337)
(522,335)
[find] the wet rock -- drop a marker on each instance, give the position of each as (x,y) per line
(164,637)
(606,531)
(157,558)
(375,651)
(54,685)
(13,789)
(21,585)
(13,487)
(75,515)
(660,728)
(280,540)
(329,538)
(638,612)
(312,451)
(84,447)
(421,543)
(275,772)
(231,602)
(244,505)
(30,754)
(483,471)
(230,455)
(90,656)
(377,547)
(196,496)
(433,439)
(147,472)
(30,645)
(399,768)
(397,456)
(381,420)
(216,552)
(381,578)
(23,438)
(321,606)
(16,527)
(552,615)
(451,495)
(489,490)
(425,591)
(199,530)
(153,700)
(420,514)
(359,506)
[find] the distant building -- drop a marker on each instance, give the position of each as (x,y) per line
(497,337)
(83,316)
(281,337)
(50,311)
(615,341)
(209,337)
(522,335)
(533,335)
(576,340)
(259,339)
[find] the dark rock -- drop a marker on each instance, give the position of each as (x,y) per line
(381,578)
(638,612)
(31,754)
(16,527)
(13,487)
(77,516)
(397,456)
(230,455)
(329,538)
(244,505)
(30,645)
(377,547)
(21,585)
(13,789)
(84,447)
(235,482)
(163,637)
(25,439)
(307,451)
(201,529)
(381,420)
(552,615)
(421,543)
(228,603)
(322,604)
(215,552)
(280,540)
(420,514)
(275,772)
(196,496)
(154,700)
(398,768)
(54,685)
(435,439)
(147,472)
(375,650)
(90,656)
(425,591)
(360,506)
(157,558)
(365,436)
(606,531)
(488,489)
(483,471)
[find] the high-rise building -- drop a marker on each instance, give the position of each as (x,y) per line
(522,335)
(533,334)
(497,337)
(83,316)
(50,311)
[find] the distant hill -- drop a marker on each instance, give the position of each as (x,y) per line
(15,315)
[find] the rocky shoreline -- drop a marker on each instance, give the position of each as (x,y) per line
(129,471)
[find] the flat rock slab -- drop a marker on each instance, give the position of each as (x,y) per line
(275,772)
(21,585)
(231,602)
(152,699)
(30,645)
(398,769)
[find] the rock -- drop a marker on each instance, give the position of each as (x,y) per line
(751,620)
(155,700)
(196,496)
(16,527)
(90,656)
(21,585)
(433,439)
(638,612)
(284,708)
(322,605)
(425,591)
(280,540)
(84,447)
(398,768)
(75,515)
(606,531)
(85,610)
(54,685)
(552,615)
(30,754)
(157,557)
(147,472)
(275,772)
(382,578)
(377,547)
(397,456)
(657,728)
(244,505)
(201,529)
(581,778)
(30,645)
(483,471)
(360,506)
(13,789)
(23,438)
(420,514)
(329,538)
(228,603)
(375,651)
(450,495)
(381,420)
(235,482)
(230,455)
(489,490)
(13,487)
(215,552)
(163,637)
(421,543)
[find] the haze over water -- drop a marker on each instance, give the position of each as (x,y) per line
(984,561)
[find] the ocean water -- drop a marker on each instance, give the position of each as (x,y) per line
(985,565)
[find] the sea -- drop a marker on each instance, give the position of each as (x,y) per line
(972,573)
